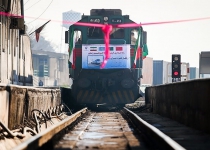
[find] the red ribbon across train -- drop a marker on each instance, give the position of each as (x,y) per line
(108,28)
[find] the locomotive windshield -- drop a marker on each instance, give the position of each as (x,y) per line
(117,33)
(96,32)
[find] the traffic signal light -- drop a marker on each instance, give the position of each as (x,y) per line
(176,66)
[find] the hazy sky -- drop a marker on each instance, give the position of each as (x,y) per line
(187,38)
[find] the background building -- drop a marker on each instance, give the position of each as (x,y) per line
(51,68)
(159,72)
(194,73)
(147,71)
(162,72)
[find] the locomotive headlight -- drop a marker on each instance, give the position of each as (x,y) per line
(127,83)
(106,18)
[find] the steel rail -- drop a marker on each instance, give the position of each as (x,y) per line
(163,141)
(40,139)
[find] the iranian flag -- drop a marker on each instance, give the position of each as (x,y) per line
(145,51)
(137,50)
(71,49)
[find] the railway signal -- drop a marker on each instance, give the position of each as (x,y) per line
(176,66)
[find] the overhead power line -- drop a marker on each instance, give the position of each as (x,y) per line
(32,5)
(41,13)
(26,2)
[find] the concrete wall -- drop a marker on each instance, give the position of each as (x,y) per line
(18,101)
(4,104)
(187,102)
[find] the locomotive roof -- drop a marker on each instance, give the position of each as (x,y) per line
(105,12)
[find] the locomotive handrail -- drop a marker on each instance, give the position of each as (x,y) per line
(101,41)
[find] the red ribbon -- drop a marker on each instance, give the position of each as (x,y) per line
(10,15)
(107,29)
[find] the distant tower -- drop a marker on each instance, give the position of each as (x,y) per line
(69,18)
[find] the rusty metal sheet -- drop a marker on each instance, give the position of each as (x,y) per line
(17,106)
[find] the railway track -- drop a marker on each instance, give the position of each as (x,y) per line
(113,129)
(100,130)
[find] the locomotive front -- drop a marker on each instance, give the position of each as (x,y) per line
(118,82)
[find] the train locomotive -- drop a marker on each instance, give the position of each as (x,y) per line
(118,83)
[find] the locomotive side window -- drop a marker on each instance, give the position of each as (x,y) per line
(78,36)
(134,36)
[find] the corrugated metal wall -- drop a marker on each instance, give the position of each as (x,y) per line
(28,68)
(15,52)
